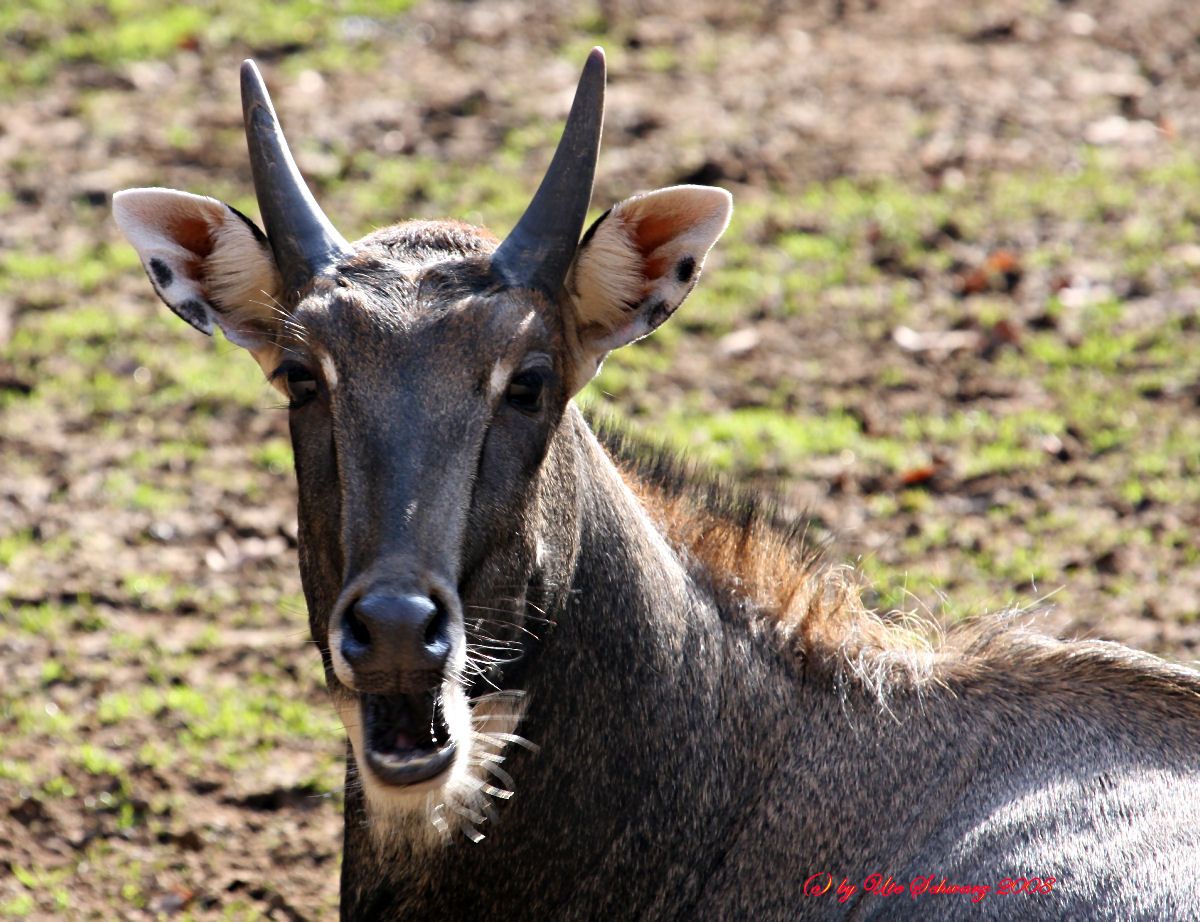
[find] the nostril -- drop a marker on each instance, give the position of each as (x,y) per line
(394,633)
(358,630)
(438,628)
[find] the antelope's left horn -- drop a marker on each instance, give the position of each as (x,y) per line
(305,243)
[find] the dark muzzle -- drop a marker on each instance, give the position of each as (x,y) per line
(396,643)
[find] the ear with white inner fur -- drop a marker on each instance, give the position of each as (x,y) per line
(635,266)
(208,262)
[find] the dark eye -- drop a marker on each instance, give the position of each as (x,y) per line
(525,390)
(299,382)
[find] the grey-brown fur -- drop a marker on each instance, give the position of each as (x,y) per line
(698,759)
(716,720)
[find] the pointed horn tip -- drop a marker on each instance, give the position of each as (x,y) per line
(595,65)
(256,100)
(250,71)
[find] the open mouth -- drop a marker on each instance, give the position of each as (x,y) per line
(406,736)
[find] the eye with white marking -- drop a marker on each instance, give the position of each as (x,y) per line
(526,388)
(298,381)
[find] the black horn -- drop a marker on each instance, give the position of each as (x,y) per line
(304,242)
(539,250)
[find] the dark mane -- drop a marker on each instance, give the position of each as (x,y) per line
(763,565)
(758,562)
(678,477)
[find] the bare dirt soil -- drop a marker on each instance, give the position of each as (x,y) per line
(167,750)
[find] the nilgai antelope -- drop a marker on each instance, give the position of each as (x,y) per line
(698,720)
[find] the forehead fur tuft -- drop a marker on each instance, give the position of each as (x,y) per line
(422,242)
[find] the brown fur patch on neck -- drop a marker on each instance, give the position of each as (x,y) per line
(758,563)
(763,568)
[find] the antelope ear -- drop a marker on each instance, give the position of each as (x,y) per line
(208,262)
(637,263)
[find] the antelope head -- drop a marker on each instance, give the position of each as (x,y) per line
(428,372)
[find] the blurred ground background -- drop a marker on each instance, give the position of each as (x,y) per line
(954,319)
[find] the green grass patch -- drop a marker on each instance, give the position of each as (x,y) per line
(43,35)
(757,439)
(274,455)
